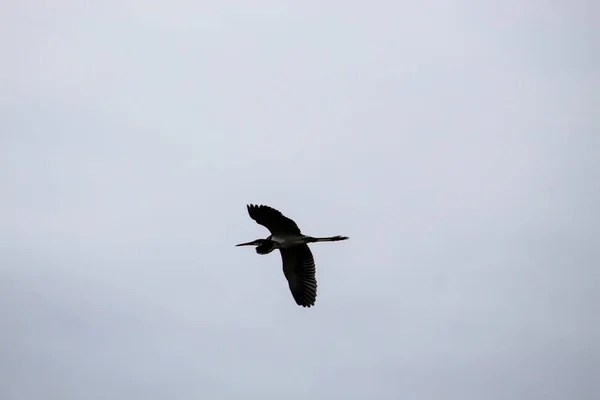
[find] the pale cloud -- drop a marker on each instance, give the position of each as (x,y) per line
(455,143)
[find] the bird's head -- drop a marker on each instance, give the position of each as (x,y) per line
(256,242)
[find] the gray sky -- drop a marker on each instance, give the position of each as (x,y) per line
(454,142)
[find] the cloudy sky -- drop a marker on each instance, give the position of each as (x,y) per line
(455,142)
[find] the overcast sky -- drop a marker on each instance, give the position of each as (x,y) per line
(455,142)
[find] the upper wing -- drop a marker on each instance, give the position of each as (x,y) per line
(299,270)
(273,220)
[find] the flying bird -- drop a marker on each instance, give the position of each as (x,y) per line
(298,261)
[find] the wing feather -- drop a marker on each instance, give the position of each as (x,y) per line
(299,270)
(273,220)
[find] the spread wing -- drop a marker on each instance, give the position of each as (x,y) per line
(273,220)
(299,270)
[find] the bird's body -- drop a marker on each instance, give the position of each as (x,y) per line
(298,261)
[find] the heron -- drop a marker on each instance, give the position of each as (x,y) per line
(297,259)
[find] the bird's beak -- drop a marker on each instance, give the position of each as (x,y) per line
(246,244)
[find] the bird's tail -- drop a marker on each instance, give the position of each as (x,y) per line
(330,238)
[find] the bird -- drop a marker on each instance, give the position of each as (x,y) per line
(297,259)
